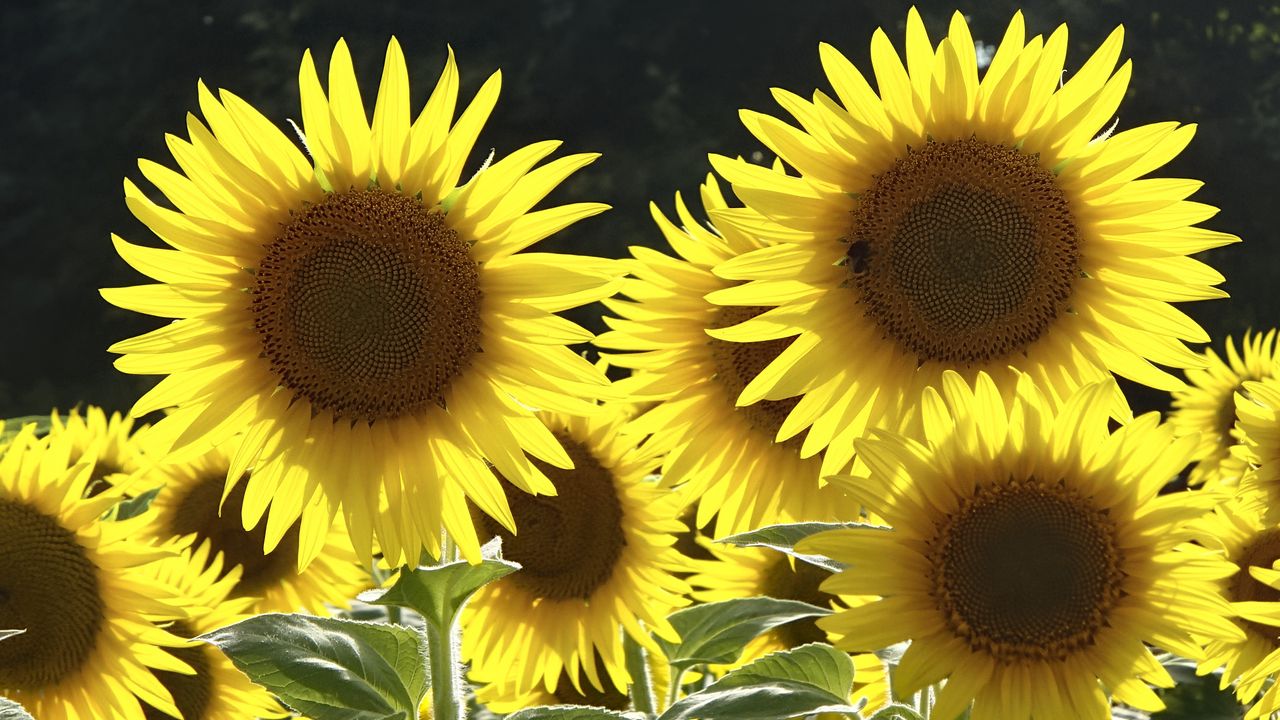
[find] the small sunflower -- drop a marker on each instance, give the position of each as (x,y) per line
(120,460)
(369,318)
(952,222)
(1030,558)
(1238,529)
(1258,427)
(80,587)
(217,690)
(597,558)
(195,503)
(722,455)
(1207,406)
(749,572)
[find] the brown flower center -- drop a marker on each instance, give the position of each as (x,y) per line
(191,693)
(197,512)
(783,582)
(368,305)
(567,544)
(964,252)
(48,587)
(1026,570)
(1262,551)
(737,364)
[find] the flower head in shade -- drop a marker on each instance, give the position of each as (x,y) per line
(361,311)
(1031,558)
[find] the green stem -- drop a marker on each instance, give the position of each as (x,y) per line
(641,685)
(673,693)
(446,678)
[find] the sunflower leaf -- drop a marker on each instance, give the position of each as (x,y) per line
(439,592)
(330,669)
(569,712)
(784,537)
(717,632)
(10,710)
(809,679)
(135,506)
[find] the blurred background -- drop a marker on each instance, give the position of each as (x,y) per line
(92,85)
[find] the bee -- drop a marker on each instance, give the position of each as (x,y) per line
(859,255)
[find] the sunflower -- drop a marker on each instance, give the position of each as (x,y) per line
(1207,405)
(79,586)
(499,697)
(369,320)
(192,503)
(1258,427)
(956,223)
(1030,556)
(738,572)
(597,558)
(217,690)
(722,455)
(119,458)
(1238,529)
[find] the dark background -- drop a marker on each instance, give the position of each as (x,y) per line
(92,85)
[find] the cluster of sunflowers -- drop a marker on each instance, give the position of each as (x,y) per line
(892,349)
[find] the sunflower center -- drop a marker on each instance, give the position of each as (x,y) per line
(191,693)
(1262,551)
(568,544)
(1026,571)
(964,251)
(737,364)
(368,305)
(48,587)
(197,512)
(783,582)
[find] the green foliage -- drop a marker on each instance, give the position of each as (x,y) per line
(135,506)
(784,537)
(439,592)
(717,632)
(10,710)
(568,712)
(12,426)
(808,679)
(330,669)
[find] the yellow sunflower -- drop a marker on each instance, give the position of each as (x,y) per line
(749,572)
(1207,406)
(120,459)
(723,455)
(80,588)
(597,558)
(952,222)
(1238,529)
(217,690)
(1030,558)
(194,502)
(367,316)
(500,697)
(1258,427)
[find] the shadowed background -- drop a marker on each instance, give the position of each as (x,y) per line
(92,85)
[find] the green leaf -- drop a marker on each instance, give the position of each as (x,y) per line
(135,506)
(330,669)
(569,712)
(717,632)
(897,711)
(783,538)
(809,679)
(10,710)
(6,634)
(12,426)
(439,592)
